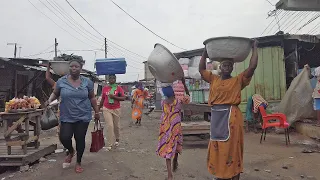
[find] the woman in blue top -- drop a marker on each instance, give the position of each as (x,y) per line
(77,100)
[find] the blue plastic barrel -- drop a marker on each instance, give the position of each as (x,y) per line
(109,66)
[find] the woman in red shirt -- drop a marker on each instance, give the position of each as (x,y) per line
(112,94)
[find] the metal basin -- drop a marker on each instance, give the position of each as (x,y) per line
(236,48)
(60,67)
(163,65)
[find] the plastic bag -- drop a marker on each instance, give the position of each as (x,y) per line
(184,61)
(194,62)
(194,73)
(297,103)
(49,119)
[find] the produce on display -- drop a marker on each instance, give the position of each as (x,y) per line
(25,103)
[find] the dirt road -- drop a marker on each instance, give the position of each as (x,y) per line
(136,158)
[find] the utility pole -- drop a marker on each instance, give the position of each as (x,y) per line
(106,55)
(105,48)
(55,47)
(15,49)
(20,51)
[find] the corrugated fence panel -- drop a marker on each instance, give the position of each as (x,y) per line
(269,78)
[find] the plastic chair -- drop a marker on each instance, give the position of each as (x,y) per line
(281,123)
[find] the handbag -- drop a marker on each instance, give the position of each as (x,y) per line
(97,138)
(49,119)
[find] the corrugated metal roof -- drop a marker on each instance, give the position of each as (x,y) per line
(38,68)
(265,41)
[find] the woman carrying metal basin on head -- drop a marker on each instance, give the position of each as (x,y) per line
(225,150)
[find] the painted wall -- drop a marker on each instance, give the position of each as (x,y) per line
(269,79)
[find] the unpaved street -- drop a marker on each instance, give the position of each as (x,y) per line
(136,158)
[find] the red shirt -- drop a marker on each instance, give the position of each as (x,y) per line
(105,93)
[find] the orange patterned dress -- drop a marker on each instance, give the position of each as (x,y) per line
(225,159)
(138,96)
(170,134)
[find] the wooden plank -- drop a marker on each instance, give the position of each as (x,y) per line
(202,108)
(21,160)
(6,114)
(195,132)
(14,126)
(22,143)
(192,128)
(40,153)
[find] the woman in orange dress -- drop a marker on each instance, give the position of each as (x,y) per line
(225,150)
(137,103)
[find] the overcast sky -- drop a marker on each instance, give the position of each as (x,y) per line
(186,23)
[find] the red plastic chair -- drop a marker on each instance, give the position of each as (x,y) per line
(281,123)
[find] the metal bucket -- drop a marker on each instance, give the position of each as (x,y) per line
(163,65)
(236,48)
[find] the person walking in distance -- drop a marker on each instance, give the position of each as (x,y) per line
(77,101)
(137,103)
(112,94)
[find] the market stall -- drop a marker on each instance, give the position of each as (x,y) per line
(22,147)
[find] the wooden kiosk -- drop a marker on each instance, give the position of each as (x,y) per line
(20,148)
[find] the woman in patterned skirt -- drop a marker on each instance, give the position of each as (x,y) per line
(170,135)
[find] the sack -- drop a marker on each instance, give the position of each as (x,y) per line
(297,103)
(49,119)
(97,141)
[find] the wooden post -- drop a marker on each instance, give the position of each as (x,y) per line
(16,83)
(55,47)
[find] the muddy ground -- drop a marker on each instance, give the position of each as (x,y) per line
(136,158)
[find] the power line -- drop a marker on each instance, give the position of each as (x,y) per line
(316,16)
(270,3)
(286,24)
(65,21)
(314,29)
(127,64)
(145,26)
(124,52)
(275,23)
(296,18)
(83,18)
(39,52)
(300,27)
(57,24)
(304,16)
(58,6)
(128,58)
(101,33)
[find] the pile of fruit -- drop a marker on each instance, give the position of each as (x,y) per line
(25,103)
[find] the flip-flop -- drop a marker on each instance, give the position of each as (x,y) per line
(68,161)
(79,169)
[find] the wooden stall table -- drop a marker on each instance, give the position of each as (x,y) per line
(198,127)
(13,121)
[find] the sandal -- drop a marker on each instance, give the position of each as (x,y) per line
(68,161)
(79,169)
(109,148)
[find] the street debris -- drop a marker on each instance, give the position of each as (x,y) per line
(24,168)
